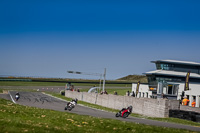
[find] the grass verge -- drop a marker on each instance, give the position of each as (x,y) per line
(171,120)
(16,118)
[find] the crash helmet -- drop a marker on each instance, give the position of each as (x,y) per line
(76,99)
(130,107)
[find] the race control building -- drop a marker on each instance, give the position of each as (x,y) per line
(169,80)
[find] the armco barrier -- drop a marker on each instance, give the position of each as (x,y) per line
(145,106)
(187,115)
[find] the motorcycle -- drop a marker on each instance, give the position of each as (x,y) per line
(125,112)
(17,97)
(71,105)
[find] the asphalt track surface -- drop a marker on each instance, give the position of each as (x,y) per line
(41,100)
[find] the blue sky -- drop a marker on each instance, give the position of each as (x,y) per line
(48,38)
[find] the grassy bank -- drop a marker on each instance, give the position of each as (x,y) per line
(17,118)
(173,120)
(110,91)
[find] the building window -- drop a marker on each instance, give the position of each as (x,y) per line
(158,66)
(164,66)
(170,89)
(165,88)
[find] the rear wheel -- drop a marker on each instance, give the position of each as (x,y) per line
(125,115)
(69,108)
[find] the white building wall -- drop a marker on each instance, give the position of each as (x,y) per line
(143,88)
(194,91)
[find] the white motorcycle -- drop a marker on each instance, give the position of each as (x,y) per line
(17,97)
(71,105)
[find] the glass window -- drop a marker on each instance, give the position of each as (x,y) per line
(173,89)
(165,88)
(158,66)
(162,66)
(170,89)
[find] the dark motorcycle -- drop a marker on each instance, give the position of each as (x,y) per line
(71,105)
(125,112)
(17,96)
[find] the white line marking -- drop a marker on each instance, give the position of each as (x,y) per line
(11,97)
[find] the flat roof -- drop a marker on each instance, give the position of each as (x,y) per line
(177,62)
(172,73)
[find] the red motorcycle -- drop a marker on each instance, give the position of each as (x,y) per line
(125,112)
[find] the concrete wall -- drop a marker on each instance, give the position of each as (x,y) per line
(144,106)
(188,108)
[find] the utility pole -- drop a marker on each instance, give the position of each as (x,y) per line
(104,79)
(95,74)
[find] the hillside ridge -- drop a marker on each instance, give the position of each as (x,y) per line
(141,78)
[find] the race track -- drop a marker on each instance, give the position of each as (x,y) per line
(41,100)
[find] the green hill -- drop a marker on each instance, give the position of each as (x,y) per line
(135,78)
(123,80)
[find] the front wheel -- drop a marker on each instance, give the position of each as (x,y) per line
(117,115)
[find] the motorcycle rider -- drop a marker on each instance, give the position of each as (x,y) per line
(75,100)
(73,103)
(125,112)
(128,109)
